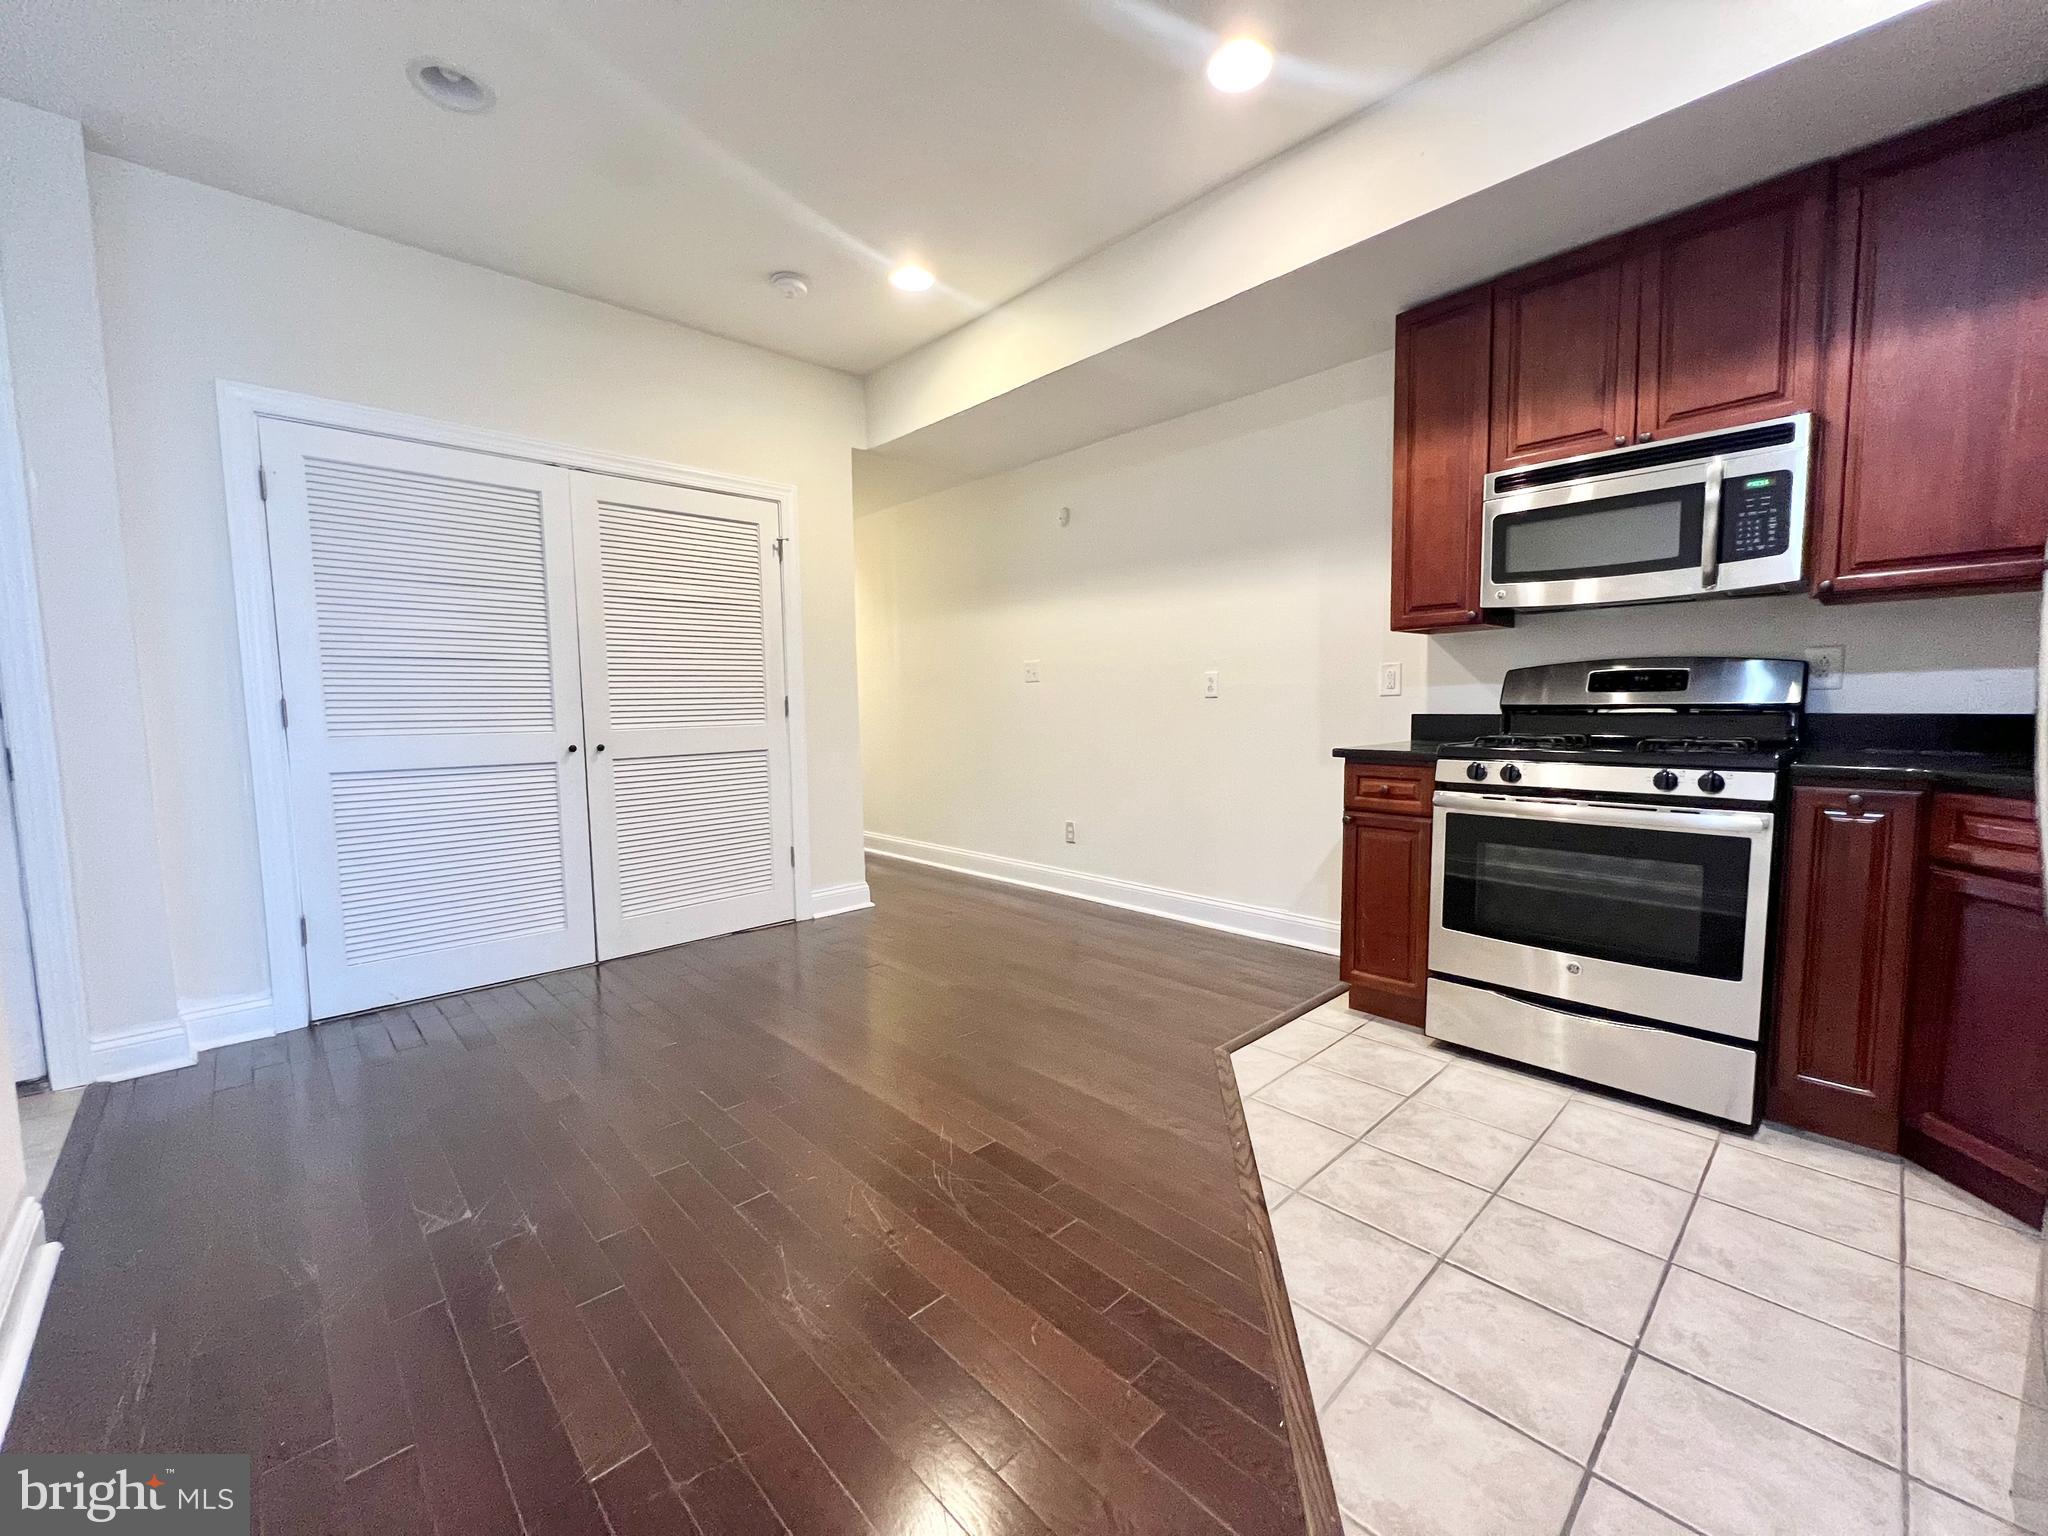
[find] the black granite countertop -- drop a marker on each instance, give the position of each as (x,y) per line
(1390,752)
(1983,773)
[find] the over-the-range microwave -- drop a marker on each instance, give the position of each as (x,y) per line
(1701,516)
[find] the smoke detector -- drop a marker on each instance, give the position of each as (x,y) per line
(791,285)
(446,86)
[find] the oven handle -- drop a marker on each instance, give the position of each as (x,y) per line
(1594,813)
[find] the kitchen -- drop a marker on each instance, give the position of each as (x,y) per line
(1775,971)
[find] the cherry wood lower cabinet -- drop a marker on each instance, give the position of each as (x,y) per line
(1851,874)
(1912,1009)
(1976,1086)
(1384,949)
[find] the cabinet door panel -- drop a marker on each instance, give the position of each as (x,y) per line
(1564,357)
(1976,1100)
(1442,357)
(1938,361)
(1850,871)
(1386,914)
(1731,311)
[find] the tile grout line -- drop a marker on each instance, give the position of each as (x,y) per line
(1905,1425)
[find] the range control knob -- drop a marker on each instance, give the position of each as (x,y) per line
(1475,770)
(1665,779)
(1511,774)
(1711,783)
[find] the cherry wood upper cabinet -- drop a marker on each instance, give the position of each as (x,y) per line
(1852,867)
(1442,354)
(1976,1094)
(1730,310)
(1935,475)
(1564,356)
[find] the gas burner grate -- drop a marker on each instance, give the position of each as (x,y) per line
(1709,745)
(1515,742)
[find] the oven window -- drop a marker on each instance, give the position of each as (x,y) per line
(1614,536)
(1673,901)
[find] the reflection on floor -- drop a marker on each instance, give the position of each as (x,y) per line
(45,1120)
(1529,1309)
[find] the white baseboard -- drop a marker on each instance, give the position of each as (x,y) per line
(228,1020)
(156,1049)
(1271,923)
(28,1261)
(831,900)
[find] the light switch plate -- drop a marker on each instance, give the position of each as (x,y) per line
(1030,671)
(1390,679)
(1824,668)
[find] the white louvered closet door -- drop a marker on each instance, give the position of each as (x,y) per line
(426,623)
(680,600)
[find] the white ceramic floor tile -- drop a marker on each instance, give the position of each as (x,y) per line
(1624,1206)
(1253,1066)
(1965,1438)
(1981,1254)
(1300,1038)
(1602,1283)
(1607,1511)
(1845,1387)
(1877,1169)
(1404,1035)
(1823,1279)
(1288,1147)
(1276,1193)
(1930,1189)
(1547,1376)
(1728,1468)
(1387,1066)
(1659,1152)
(1936,1514)
(1500,1098)
(1328,1353)
(1465,1149)
(1410,1459)
(1985,1338)
(1414,1203)
(1822,1203)
(1352,1274)
(1330,1098)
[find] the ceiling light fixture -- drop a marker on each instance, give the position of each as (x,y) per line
(446,86)
(1240,64)
(912,278)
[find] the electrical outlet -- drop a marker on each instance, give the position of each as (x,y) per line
(1390,679)
(1823,668)
(1030,671)
(1070,832)
(1212,684)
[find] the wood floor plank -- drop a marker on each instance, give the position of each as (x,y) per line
(921,1219)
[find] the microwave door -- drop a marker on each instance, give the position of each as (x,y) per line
(1620,539)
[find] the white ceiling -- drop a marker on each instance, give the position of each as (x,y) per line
(666,155)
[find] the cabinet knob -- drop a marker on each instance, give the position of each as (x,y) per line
(1827,586)
(1621,439)
(1855,805)
(1644,437)
(1471,615)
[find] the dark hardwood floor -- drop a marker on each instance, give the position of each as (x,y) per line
(913,1220)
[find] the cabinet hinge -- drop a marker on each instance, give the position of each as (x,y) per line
(8,754)
(778,547)
(284,713)
(792,858)
(262,484)
(785,706)
(302,930)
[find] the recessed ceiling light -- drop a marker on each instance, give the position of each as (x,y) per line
(1240,64)
(446,86)
(912,278)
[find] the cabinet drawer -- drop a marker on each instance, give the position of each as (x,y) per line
(1388,787)
(1986,833)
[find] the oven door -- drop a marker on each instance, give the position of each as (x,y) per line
(1651,912)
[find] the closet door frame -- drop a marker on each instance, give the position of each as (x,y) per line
(242,410)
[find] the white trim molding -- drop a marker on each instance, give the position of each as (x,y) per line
(243,408)
(28,1262)
(229,1020)
(159,1048)
(1296,929)
(831,900)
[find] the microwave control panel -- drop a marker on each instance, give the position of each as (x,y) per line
(1756,515)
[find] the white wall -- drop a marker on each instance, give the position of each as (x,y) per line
(1251,538)
(198,285)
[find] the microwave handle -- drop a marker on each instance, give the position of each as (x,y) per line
(1710,527)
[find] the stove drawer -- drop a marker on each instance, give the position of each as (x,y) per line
(1392,788)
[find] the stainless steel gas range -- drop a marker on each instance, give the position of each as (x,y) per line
(1603,873)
